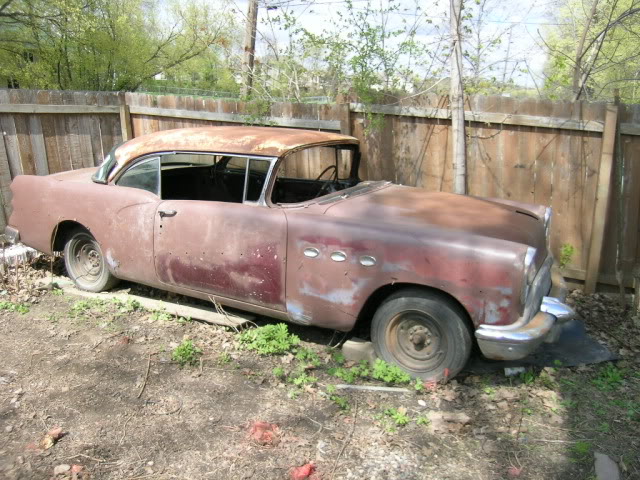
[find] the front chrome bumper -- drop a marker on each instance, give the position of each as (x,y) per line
(512,342)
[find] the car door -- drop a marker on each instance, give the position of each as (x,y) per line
(224,248)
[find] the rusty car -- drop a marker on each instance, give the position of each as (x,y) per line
(276,221)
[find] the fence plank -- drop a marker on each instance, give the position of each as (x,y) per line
(5,182)
(602,199)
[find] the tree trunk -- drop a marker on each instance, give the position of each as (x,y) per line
(456,99)
(577,68)
(249,48)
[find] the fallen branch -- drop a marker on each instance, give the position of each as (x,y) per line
(372,388)
(146,376)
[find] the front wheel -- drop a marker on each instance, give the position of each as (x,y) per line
(86,264)
(424,333)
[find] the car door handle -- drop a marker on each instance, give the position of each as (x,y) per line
(167,213)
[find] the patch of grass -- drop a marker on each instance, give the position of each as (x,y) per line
(224,358)
(129,306)
(528,377)
(389,373)
(342,402)
(609,378)
(58,292)
(186,353)
(581,450)
(82,307)
(271,339)
(391,418)
(422,420)
(300,378)
(418,385)
(278,372)
(161,316)
(338,357)
(20,308)
(350,375)
(308,356)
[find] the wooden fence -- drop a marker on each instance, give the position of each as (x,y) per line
(533,151)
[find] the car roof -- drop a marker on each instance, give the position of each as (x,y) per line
(241,140)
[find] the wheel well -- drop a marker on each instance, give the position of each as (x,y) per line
(61,234)
(381,294)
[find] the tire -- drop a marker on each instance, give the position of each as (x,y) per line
(86,264)
(422,332)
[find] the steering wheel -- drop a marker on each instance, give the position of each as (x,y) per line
(329,181)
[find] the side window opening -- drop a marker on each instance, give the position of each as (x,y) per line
(313,173)
(220,178)
(144,175)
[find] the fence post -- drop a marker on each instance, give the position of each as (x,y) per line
(125,121)
(345,118)
(602,199)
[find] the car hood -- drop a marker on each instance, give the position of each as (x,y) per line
(81,175)
(398,204)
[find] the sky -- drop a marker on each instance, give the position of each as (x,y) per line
(520,21)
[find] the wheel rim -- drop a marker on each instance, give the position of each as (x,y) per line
(416,340)
(86,260)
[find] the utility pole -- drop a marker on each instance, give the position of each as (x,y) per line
(249,48)
(456,100)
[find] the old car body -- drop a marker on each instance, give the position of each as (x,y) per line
(174,210)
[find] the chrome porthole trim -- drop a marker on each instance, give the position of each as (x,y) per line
(338,256)
(367,260)
(311,252)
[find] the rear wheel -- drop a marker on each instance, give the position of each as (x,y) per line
(424,333)
(86,264)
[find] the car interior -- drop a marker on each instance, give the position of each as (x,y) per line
(302,176)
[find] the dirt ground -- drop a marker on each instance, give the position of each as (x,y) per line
(99,378)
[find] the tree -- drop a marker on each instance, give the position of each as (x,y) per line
(103,44)
(457,101)
(604,58)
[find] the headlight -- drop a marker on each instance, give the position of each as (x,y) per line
(529,272)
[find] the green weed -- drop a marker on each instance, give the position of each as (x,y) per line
(581,450)
(20,308)
(349,375)
(609,378)
(422,420)
(224,358)
(528,377)
(418,385)
(271,339)
(398,416)
(308,356)
(161,316)
(278,372)
(566,253)
(186,353)
(342,402)
(389,373)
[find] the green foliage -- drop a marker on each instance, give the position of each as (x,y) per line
(610,57)
(422,420)
(278,372)
(581,450)
(308,356)
(389,373)
(14,307)
(186,353)
(609,378)
(418,385)
(273,339)
(300,378)
(528,377)
(338,357)
(342,402)
(105,45)
(349,375)
(224,358)
(566,254)
(161,316)
(58,292)
(398,415)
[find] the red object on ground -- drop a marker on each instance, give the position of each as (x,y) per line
(264,433)
(303,472)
